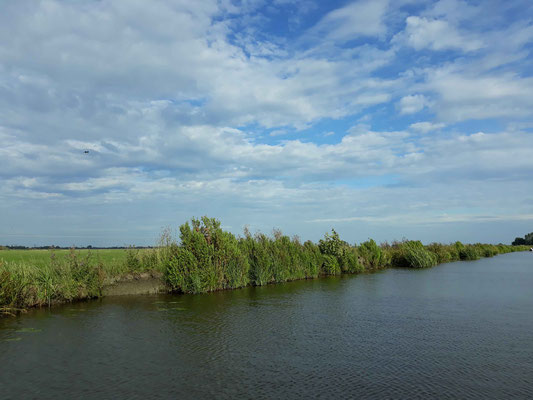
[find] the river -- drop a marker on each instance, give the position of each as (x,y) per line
(458,330)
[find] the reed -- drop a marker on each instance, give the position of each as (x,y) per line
(30,280)
(207,258)
(413,254)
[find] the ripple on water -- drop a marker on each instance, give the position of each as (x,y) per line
(436,334)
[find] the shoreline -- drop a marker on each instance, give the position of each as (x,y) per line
(149,283)
(144,283)
(205,259)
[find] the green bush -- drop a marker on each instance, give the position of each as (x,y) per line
(347,256)
(133,263)
(417,256)
(230,264)
(371,255)
(468,253)
(182,272)
(312,259)
(442,252)
(349,261)
(62,280)
(331,244)
(330,265)
(486,250)
(207,259)
(259,258)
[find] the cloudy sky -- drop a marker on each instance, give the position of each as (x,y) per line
(382,119)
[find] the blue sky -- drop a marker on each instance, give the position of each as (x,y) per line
(382,119)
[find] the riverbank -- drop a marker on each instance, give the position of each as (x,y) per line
(461,330)
(36,278)
(145,283)
(205,259)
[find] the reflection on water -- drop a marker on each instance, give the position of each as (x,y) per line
(462,330)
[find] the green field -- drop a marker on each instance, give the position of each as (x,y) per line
(113,260)
(31,278)
(42,257)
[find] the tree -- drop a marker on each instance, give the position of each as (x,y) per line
(526,240)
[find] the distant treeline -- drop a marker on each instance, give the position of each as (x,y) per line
(207,258)
(53,247)
(525,241)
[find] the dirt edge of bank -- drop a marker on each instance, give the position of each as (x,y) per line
(144,283)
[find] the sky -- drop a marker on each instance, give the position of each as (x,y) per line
(380,119)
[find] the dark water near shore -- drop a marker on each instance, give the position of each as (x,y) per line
(461,330)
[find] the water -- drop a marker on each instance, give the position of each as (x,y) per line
(460,330)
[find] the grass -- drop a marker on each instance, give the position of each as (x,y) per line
(113,259)
(206,258)
(30,278)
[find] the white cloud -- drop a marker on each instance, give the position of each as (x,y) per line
(425,127)
(200,164)
(435,219)
(463,94)
(167,99)
(171,52)
(454,11)
(412,104)
(278,132)
(359,18)
(434,34)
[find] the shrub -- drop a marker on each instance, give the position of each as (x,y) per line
(132,261)
(417,256)
(486,250)
(346,256)
(312,259)
(371,255)
(231,265)
(331,244)
(259,259)
(330,265)
(468,253)
(349,261)
(181,273)
(207,259)
(66,279)
(150,260)
(442,252)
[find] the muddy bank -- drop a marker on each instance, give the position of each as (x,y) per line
(135,284)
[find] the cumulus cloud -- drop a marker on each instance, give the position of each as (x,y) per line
(182,107)
(462,93)
(412,104)
(359,18)
(437,35)
(425,126)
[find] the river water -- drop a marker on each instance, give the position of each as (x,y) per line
(459,330)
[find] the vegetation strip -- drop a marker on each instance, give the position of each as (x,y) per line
(207,259)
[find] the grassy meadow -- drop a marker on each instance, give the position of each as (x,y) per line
(205,258)
(30,278)
(112,258)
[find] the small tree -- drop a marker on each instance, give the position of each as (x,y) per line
(331,244)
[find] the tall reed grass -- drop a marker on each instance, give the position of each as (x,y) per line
(207,258)
(24,285)
(65,277)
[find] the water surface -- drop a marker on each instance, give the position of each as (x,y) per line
(460,330)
